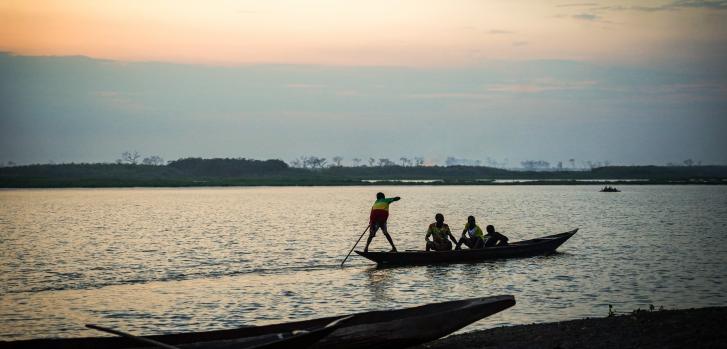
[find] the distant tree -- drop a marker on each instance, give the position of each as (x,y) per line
(315,162)
(337,160)
(356,161)
(572,162)
(228,167)
(305,161)
(321,162)
(296,163)
(372,161)
(688,162)
(383,162)
(560,165)
(533,165)
(418,161)
(153,160)
(405,161)
(451,161)
(130,157)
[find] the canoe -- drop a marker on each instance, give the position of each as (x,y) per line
(374,329)
(200,340)
(526,248)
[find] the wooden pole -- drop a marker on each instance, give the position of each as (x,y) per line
(354,245)
(131,336)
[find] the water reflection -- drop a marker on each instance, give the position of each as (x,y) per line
(379,283)
(169,260)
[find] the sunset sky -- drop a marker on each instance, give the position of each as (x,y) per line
(625,81)
(377,32)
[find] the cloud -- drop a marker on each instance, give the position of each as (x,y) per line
(522,108)
(580,4)
(304,86)
(542,85)
(528,87)
(672,6)
(587,17)
(500,32)
(686,92)
(118,100)
(450,95)
(519,43)
(713,4)
(348,93)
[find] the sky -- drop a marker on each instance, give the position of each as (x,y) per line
(620,81)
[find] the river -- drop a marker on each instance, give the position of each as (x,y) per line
(168,260)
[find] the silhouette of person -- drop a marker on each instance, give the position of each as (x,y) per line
(378,217)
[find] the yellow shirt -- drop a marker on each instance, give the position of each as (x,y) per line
(439,234)
(477,231)
(383,204)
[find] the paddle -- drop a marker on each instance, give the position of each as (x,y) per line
(354,245)
(131,336)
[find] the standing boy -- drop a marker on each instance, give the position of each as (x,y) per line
(378,217)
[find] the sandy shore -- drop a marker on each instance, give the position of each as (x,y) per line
(691,328)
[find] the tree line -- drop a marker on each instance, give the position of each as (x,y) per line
(237,166)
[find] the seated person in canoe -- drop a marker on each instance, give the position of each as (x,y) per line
(377,219)
(494,238)
(441,235)
(472,235)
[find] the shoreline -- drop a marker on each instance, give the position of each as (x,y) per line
(197,172)
(684,328)
(284,183)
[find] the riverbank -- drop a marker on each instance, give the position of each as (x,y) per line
(191,183)
(690,328)
(244,172)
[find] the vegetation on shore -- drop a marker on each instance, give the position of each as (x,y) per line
(191,172)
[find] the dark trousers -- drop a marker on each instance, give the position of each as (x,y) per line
(472,243)
(496,241)
(445,245)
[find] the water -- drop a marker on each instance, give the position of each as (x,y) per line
(168,260)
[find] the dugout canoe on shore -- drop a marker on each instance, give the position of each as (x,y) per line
(301,338)
(526,248)
(375,329)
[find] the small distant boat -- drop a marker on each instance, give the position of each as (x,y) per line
(609,190)
(526,248)
(374,329)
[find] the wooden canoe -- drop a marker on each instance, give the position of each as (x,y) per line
(200,340)
(375,329)
(526,248)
